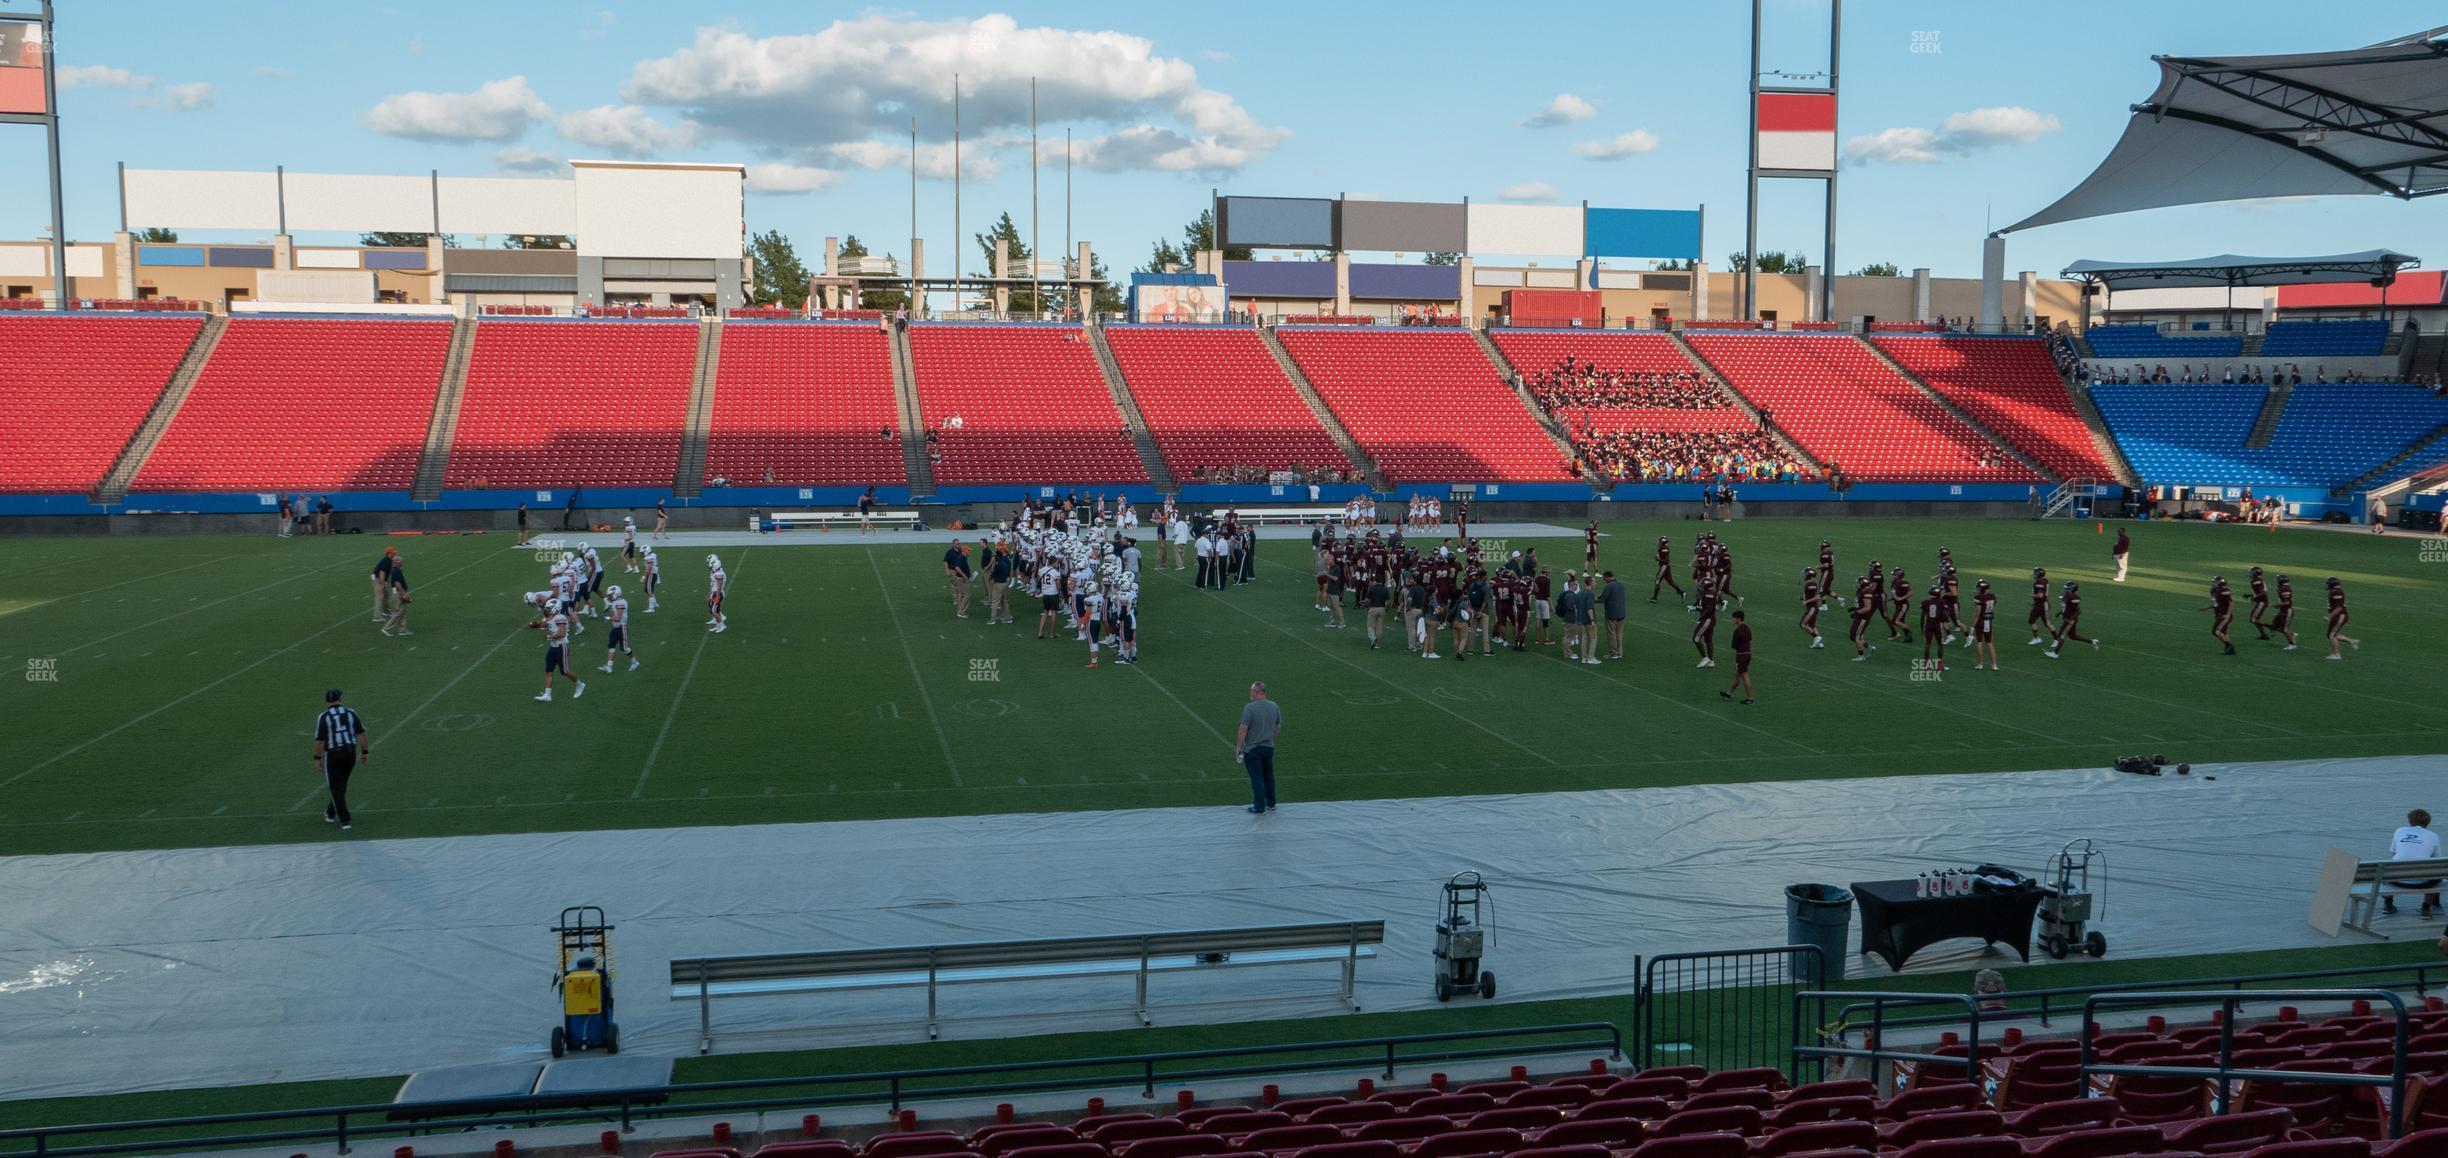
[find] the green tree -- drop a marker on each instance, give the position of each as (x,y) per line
(1879,269)
(1672,265)
(1199,236)
(1443,258)
(538,241)
(1108,295)
(874,295)
(781,278)
(1771,261)
(1003,230)
(1165,257)
(156,235)
(404,239)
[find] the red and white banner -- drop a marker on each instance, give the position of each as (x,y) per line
(21,69)
(1797,131)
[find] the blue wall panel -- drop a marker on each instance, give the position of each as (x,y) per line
(1641,233)
(170,255)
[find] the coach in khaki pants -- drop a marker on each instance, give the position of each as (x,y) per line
(956,573)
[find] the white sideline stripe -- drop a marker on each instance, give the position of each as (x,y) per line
(74,749)
(703,638)
(1177,702)
(915,675)
(202,606)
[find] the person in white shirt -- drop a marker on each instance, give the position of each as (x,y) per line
(1206,558)
(2416,841)
(1181,541)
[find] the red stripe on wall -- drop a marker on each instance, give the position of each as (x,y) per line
(1785,112)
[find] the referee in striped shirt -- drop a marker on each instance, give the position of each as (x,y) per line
(340,742)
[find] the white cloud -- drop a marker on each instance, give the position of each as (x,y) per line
(1565,109)
(499,110)
(187,97)
(1530,191)
(100,76)
(1957,135)
(977,160)
(626,129)
(1617,147)
(780,178)
(530,162)
(860,81)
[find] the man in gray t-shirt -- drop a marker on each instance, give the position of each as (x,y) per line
(1254,746)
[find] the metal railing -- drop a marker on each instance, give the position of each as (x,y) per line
(2040,1005)
(1722,1010)
(339,1125)
(2225,1072)
(1813,1033)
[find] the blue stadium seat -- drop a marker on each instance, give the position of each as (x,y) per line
(2361,338)
(2330,434)
(2148,343)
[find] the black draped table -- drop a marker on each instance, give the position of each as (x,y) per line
(1896,924)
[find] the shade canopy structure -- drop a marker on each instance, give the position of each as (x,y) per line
(2373,266)
(2365,121)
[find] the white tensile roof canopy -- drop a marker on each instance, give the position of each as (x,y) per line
(2376,266)
(2364,121)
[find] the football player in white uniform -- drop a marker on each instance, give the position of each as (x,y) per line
(616,611)
(590,579)
(1092,613)
(556,629)
(717,585)
(653,577)
(1124,615)
(629,547)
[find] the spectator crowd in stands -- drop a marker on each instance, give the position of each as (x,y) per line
(1569,384)
(2290,374)
(1681,456)
(1244,472)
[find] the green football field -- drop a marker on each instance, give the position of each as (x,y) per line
(170,685)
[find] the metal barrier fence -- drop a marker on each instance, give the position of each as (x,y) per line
(1722,1010)
(339,1125)
(2225,1073)
(2039,1006)
(1813,1031)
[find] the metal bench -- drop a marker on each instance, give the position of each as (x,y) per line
(2379,878)
(826,520)
(1268,516)
(702,979)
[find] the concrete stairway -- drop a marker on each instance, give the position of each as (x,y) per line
(2101,440)
(913,425)
(1930,392)
(2273,408)
(2387,471)
(1151,457)
(1325,416)
(688,478)
(115,482)
(1744,404)
(434,464)
(1512,377)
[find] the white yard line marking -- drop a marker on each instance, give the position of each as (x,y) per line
(924,697)
(1177,702)
(664,733)
(76,748)
(202,606)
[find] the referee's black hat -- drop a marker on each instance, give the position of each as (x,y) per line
(331,696)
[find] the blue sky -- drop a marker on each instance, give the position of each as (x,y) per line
(1643,104)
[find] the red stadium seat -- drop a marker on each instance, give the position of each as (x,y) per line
(1032,406)
(557,404)
(1849,408)
(75,390)
(1469,1144)
(2112,1142)
(1213,396)
(2011,386)
(320,403)
(2230,1133)
(810,402)
(1617,1133)
(1426,404)
(1280,1139)
(1817,1136)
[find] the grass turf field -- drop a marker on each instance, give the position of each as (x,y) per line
(188,672)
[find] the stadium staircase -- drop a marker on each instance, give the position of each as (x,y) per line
(2273,410)
(1547,422)
(436,457)
(1151,458)
(2430,448)
(688,481)
(1326,417)
(1961,415)
(913,429)
(2430,355)
(114,484)
(1792,445)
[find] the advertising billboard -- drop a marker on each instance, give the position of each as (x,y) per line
(21,69)
(1177,303)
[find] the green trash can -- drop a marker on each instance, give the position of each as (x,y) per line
(1818,915)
